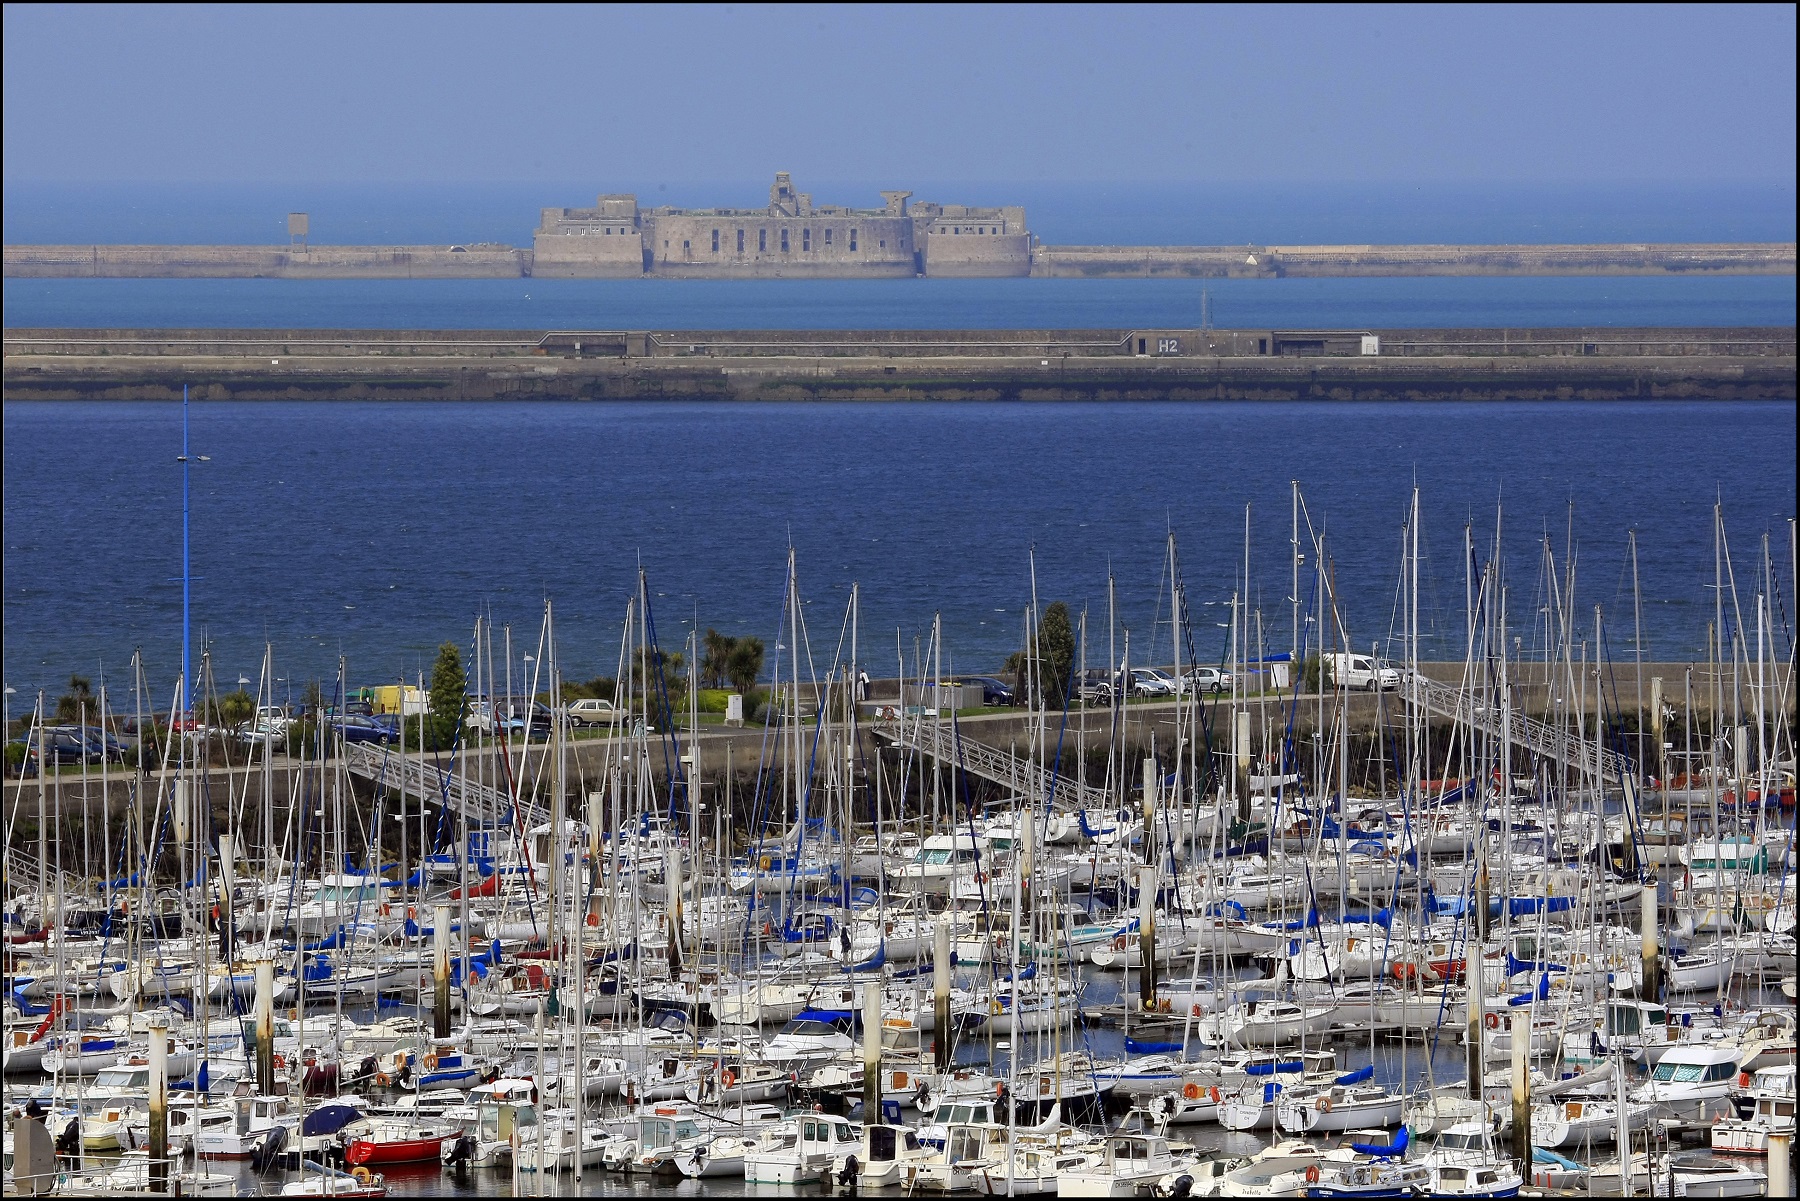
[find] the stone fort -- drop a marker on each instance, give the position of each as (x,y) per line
(791,238)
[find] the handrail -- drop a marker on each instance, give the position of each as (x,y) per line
(991,763)
(1532,733)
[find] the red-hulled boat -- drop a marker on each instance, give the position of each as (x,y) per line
(399,1142)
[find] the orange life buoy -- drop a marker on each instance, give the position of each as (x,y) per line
(280,1061)
(1195,1011)
(382,1078)
(1324,1104)
(1213,1092)
(1493,1021)
(412,913)
(593,919)
(1191,1091)
(431,1061)
(1312,1173)
(999,1088)
(1119,943)
(730,1077)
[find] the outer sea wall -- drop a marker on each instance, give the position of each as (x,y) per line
(481,261)
(981,365)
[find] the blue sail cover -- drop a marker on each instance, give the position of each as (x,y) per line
(1366,1072)
(328,1119)
(1385,1150)
(1137,1047)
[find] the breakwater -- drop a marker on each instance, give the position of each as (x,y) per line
(1110,364)
(496,260)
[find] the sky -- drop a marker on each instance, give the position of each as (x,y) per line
(1195,94)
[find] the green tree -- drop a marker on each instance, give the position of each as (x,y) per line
(68,705)
(745,664)
(235,708)
(715,658)
(1056,653)
(449,693)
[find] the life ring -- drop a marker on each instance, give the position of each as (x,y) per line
(1493,1021)
(1213,1093)
(999,1088)
(431,1061)
(1312,1173)
(593,919)
(363,1175)
(1195,1011)
(412,913)
(383,1079)
(386,909)
(1324,1105)
(764,865)
(730,1077)
(1191,1091)
(1119,943)
(280,1061)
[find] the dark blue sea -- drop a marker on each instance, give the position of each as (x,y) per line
(378,531)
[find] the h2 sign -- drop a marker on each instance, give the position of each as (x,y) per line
(1168,346)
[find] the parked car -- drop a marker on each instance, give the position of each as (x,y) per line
(993,692)
(482,717)
(261,730)
(351,709)
(1149,681)
(1097,686)
(595,711)
(1206,679)
(355,728)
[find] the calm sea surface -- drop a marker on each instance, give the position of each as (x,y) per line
(378,531)
(896,304)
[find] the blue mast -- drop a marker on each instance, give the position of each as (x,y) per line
(186,580)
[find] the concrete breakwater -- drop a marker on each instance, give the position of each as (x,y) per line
(1180,364)
(500,261)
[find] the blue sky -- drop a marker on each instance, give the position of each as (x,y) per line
(1533,94)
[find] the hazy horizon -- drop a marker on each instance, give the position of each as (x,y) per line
(1299,95)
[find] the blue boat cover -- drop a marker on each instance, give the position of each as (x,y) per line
(1137,1047)
(328,1119)
(1385,1150)
(1366,1072)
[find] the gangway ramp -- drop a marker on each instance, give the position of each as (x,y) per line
(419,776)
(1534,734)
(1023,776)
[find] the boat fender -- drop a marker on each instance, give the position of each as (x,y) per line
(1312,1173)
(1191,1091)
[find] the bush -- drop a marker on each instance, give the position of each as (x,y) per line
(15,758)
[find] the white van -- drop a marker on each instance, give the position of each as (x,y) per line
(1361,672)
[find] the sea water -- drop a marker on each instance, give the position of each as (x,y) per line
(378,531)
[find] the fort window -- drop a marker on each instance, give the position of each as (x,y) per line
(884,243)
(806,239)
(853,239)
(740,241)
(828,235)
(686,246)
(784,241)
(715,241)
(762,240)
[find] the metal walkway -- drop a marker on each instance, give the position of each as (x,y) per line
(1003,767)
(1535,735)
(418,777)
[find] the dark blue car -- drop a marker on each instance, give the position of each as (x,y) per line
(362,729)
(993,692)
